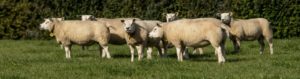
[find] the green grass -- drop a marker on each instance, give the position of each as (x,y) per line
(43,59)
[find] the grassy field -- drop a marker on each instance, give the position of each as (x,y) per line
(43,59)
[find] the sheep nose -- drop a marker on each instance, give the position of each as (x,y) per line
(127,28)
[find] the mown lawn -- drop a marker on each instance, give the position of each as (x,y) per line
(44,59)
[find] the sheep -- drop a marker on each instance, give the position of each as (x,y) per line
(68,33)
(192,33)
(87,17)
(136,36)
(173,16)
(51,34)
(157,43)
(117,32)
(248,30)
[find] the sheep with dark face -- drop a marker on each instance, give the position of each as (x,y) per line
(248,30)
(192,33)
(68,33)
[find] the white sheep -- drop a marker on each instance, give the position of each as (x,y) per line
(136,36)
(192,33)
(87,17)
(118,37)
(117,32)
(173,16)
(52,35)
(248,30)
(78,32)
(157,43)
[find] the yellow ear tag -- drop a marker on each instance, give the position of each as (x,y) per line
(51,34)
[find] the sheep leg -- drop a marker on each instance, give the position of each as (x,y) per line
(160,50)
(102,51)
(194,50)
(140,49)
(62,46)
(235,44)
(82,47)
(149,51)
(183,53)
(105,50)
(200,51)
(262,45)
(68,51)
(186,53)
(221,58)
(238,44)
(164,48)
(178,51)
(132,52)
(216,52)
(270,45)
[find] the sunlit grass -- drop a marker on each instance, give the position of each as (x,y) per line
(44,59)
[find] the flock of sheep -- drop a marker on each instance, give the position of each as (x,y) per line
(140,34)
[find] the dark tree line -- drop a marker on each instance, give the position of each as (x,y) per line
(19,19)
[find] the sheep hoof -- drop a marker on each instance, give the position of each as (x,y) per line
(164,56)
(261,53)
(235,52)
(221,62)
(149,58)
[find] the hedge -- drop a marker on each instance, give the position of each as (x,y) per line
(20,19)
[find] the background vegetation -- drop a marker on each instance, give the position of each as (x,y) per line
(19,19)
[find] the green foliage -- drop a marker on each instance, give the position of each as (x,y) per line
(20,19)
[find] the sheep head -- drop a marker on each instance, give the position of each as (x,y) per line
(157,32)
(129,25)
(226,17)
(171,16)
(87,18)
(47,24)
(58,19)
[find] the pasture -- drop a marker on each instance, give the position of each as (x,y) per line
(44,59)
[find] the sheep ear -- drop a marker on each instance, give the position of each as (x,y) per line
(51,19)
(177,13)
(230,13)
(163,14)
(218,14)
(122,21)
(158,24)
(133,20)
(62,18)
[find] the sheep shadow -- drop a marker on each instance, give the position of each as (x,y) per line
(209,58)
(122,56)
